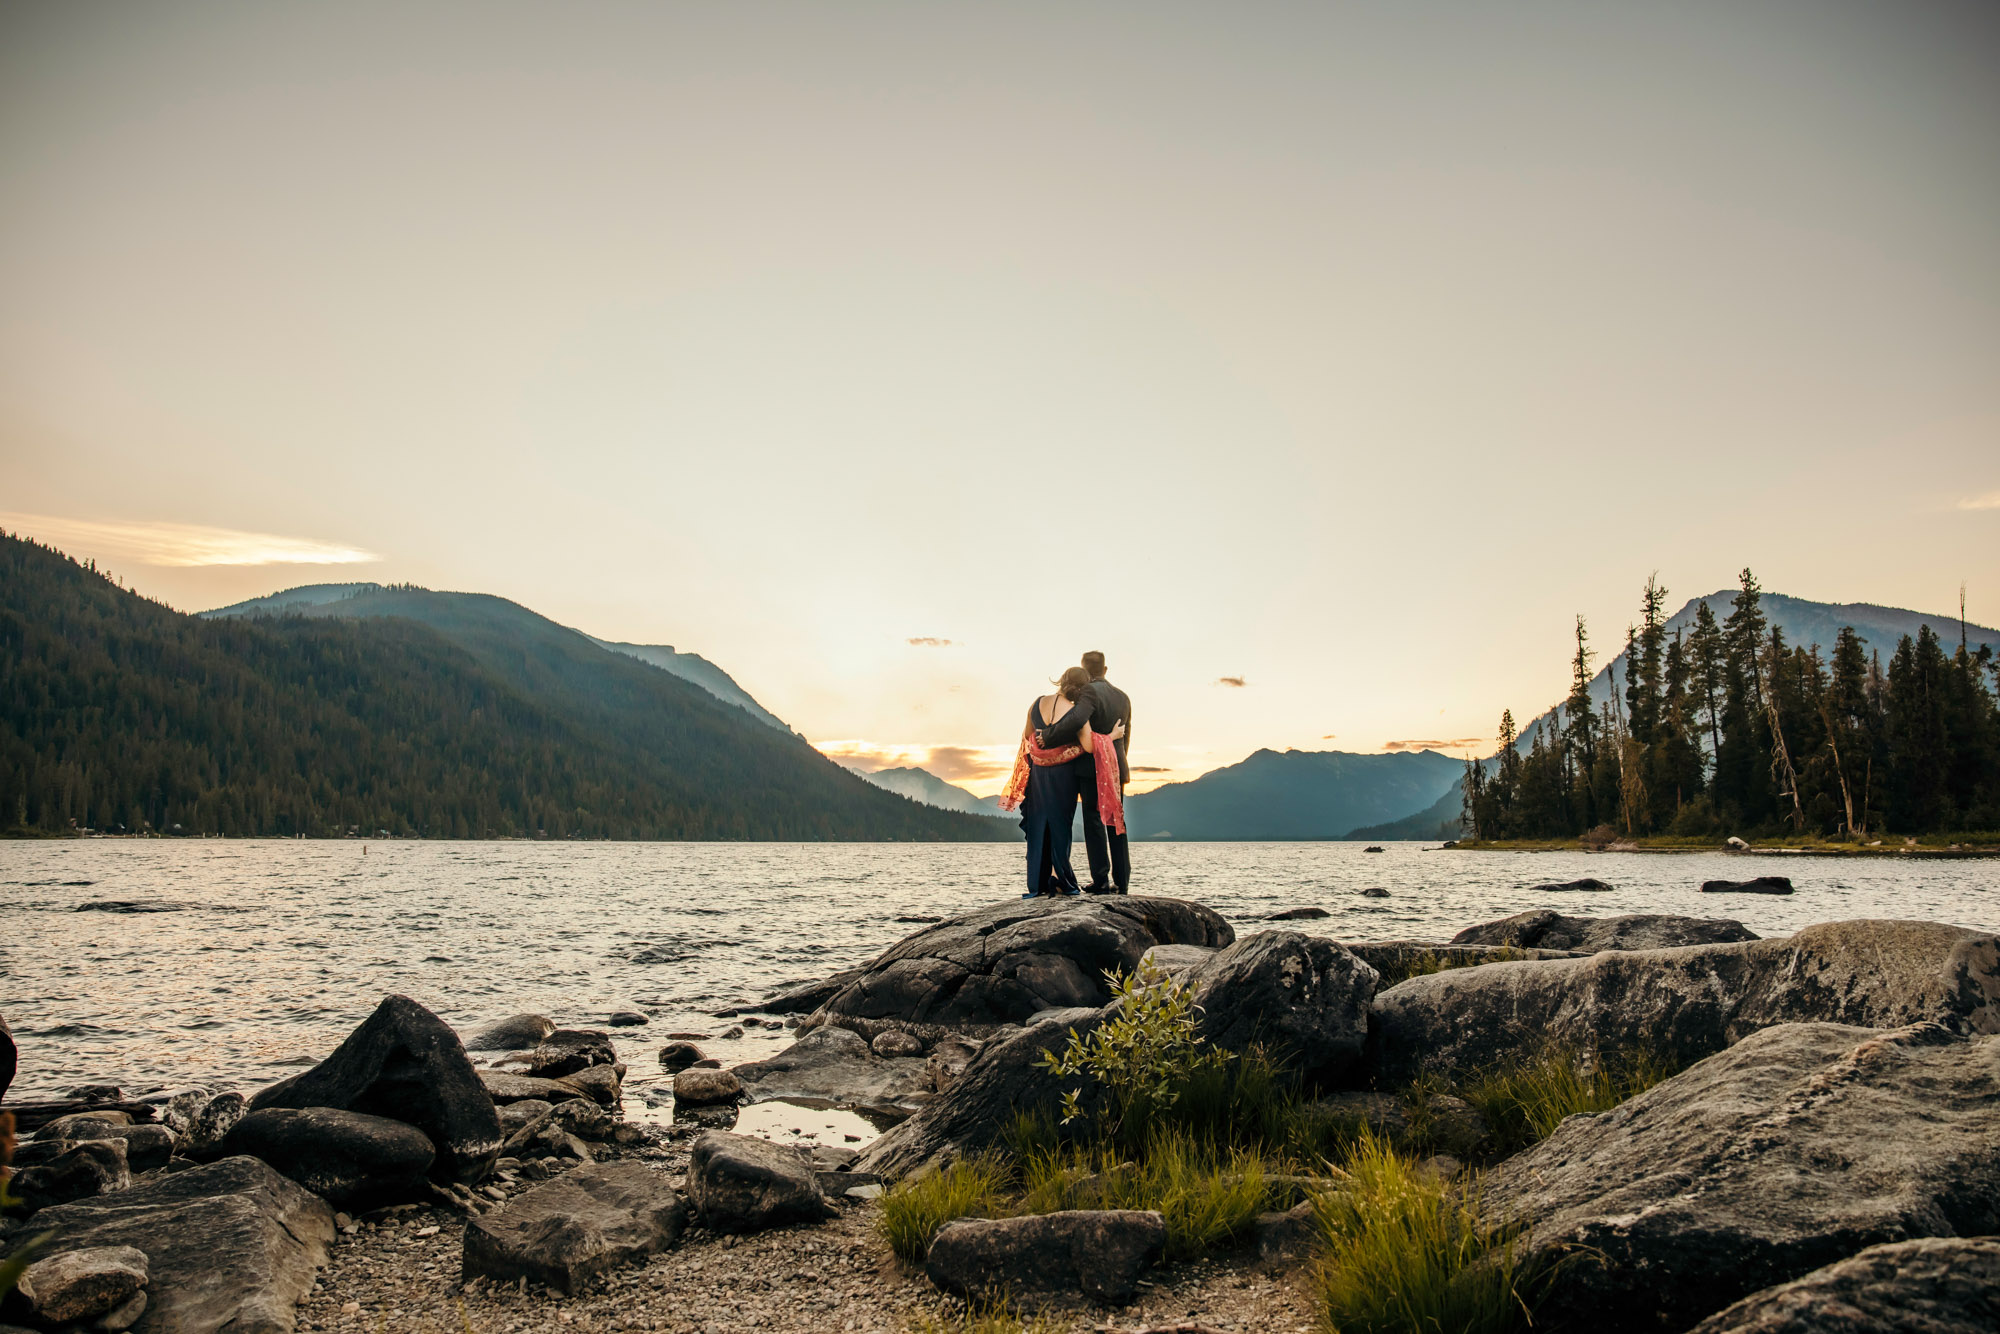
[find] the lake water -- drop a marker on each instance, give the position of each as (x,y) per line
(275,949)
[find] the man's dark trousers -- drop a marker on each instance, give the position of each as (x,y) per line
(1110,858)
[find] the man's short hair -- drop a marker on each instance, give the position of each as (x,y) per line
(1093,662)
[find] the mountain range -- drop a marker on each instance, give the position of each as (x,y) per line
(375,708)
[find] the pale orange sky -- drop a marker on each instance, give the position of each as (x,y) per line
(1347,352)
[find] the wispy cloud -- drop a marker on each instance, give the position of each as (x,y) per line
(181,544)
(1151,769)
(930,641)
(1330,736)
(1233,682)
(1989,501)
(954,764)
(1448,743)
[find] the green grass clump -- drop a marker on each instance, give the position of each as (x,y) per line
(984,1318)
(1209,1196)
(1525,1100)
(913,1210)
(1406,1254)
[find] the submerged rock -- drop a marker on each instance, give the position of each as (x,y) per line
(837,1067)
(229,1247)
(1587,885)
(1001,964)
(1791,1150)
(678,1056)
(1545,928)
(738,1183)
(514,1033)
(1763,884)
(353,1160)
(1297,915)
(1097,1252)
(1682,1004)
(565,1232)
(568,1050)
(1934,1285)
(405,1064)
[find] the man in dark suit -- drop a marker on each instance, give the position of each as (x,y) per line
(1110,857)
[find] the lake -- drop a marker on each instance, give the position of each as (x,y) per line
(258,956)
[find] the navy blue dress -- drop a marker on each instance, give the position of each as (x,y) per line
(1048,814)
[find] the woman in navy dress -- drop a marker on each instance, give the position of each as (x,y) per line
(1048,802)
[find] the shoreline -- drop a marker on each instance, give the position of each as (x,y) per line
(1952,852)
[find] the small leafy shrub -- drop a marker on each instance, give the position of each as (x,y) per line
(1525,1100)
(913,1210)
(1405,1254)
(1143,1056)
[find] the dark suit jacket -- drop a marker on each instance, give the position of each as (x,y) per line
(1103,706)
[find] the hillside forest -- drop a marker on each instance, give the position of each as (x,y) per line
(1728,729)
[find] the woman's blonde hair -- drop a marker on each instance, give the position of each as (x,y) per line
(1071,683)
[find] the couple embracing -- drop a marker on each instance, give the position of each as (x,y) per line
(1074,748)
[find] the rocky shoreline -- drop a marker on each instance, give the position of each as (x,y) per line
(1838,1097)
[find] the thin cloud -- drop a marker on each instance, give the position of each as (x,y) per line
(954,764)
(1330,736)
(1151,769)
(930,641)
(1233,682)
(181,544)
(1989,501)
(1448,743)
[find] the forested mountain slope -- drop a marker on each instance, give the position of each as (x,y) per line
(1296,794)
(452,716)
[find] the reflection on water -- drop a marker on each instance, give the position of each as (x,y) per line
(152,963)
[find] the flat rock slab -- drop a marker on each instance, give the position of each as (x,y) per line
(840,1069)
(405,1064)
(741,1184)
(504,1088)
(565,1232)
(1001,964)
(1929,1286)
(230,1247)
(1097,1252)
(1398,960)
(1687,1003)
(1545,928)
(352,1160)
(1794,1149)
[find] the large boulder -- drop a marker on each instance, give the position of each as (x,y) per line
(1097,1252)
(976,1109)
(565,1232)
(404,1063)
(1682,1004)
(1399,960)
(741,1184)
(230,1247)
(1929,1286)
(839,1068)
(1545,928)
(355,1161)
(84,1284)
(1794,1149)
(1304,998)
(1001,964)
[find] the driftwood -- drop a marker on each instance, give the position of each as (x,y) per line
(35,1115)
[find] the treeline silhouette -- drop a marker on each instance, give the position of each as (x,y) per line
(1729,729)
(121,715)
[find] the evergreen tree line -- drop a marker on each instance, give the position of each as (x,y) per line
(121,715)
(1729,729)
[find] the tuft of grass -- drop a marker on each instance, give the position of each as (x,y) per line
(1524,1101)
(1209,1195)
(913,1210)
(999,1317)
(1406,1254)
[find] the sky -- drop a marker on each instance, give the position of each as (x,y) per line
(1317,363)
